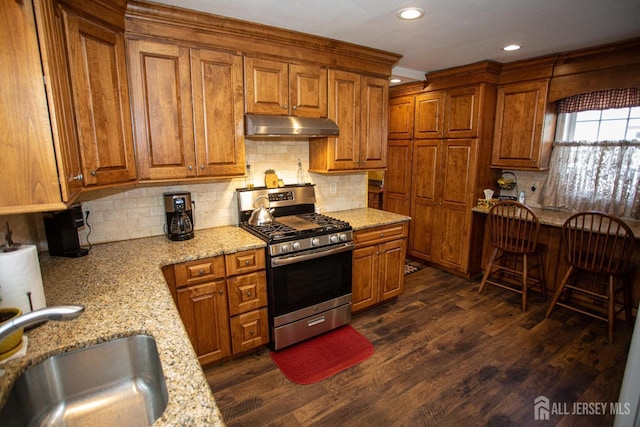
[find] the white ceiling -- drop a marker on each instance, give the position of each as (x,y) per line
(452,33)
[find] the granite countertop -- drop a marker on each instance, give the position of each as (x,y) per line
(124,292)
(557,218)
(368,217)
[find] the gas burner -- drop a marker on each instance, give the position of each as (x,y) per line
(326,222)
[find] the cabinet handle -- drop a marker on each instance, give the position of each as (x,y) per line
(190,167)
(201,272)
(78,177)
(534,161)
(381,234)
(285,106)
(247,262)
(93,173)
(248,293)
(251,332)
(221,292)
(202,167)
(295,107)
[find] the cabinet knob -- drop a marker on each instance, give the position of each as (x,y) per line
(78,177)
(221,292)
(381,234)
(251,332)
(190,167)
(248,293)
(93,173)
(295,107)
(534,161)
(201,272)
(247,262)
(202,167)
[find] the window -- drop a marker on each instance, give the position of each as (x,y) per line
(595,162)
(599,125)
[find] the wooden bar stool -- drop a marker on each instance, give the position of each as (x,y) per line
(514,230)
(598,249)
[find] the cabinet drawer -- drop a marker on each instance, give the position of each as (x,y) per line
(380,234)
(247,292)
(249,330)
(199,271)
(245,262)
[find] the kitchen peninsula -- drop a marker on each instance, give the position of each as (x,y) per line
(125,293)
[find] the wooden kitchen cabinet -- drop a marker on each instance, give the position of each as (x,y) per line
(187,110)
(39,147)
(398,177)
(279,88)
(524,126)
(204,312)
(378,264)
(360,106)
(452,113)
(401,117)
(247,290)
(100,91)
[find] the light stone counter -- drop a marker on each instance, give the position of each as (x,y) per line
(368,217)
(556,218)
(124,293)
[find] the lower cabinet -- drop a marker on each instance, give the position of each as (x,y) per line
(222,302)
(378,264)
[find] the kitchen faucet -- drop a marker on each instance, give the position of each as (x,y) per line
(60,312)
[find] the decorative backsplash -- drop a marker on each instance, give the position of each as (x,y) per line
(139,212)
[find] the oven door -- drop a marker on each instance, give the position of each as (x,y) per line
(309,281)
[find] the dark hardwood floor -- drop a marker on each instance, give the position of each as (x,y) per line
(444,356)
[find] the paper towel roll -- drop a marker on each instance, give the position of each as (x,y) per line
(19,275)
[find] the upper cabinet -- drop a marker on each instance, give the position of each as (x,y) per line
(279,88)
(449,114)
(360,106)
(187,109)
(524,126)
(401,112)
(100,92)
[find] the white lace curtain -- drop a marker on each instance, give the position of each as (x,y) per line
(603,175)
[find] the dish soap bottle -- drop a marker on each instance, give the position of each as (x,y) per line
(248,181)
(300,173)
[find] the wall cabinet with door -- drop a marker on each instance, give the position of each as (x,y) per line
(450,155)
(187,109)
(279,88)
(378,264)
(222,302)
(359,105)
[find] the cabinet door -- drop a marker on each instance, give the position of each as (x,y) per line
(30,178)
(397,180)
(457,181)
(342,152)
(63,125)
(100,90)
(520,119)
(249,330)
(218,112)
(365,277)
(162,109)
(266,86)
(392,255)
(374,110)
(401,112)
(203,309)
(424,197)
(429,113)
(307,91)
(462,111)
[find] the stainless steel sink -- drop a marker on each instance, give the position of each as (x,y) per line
(116,383)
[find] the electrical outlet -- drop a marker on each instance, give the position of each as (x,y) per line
(334,188)
(534,186)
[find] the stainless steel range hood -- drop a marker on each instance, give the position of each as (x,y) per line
(288,126)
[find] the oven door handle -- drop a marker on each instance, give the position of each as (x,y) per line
(278,262)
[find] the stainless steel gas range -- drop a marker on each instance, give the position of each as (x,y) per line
(309,262)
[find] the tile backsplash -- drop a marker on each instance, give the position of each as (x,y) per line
(117,214)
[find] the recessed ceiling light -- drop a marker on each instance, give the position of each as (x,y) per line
(511,47)
(410,13)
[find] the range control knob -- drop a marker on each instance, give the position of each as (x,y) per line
(343,237)
(295,246)
(334,238)
(284,248)
(315,242)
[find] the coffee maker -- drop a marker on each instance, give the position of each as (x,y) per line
(179,212)
(62,232)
